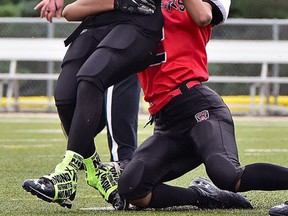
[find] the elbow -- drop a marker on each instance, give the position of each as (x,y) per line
(204,20)
(66,14)
(69,17)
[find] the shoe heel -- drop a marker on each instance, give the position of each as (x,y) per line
(66,204)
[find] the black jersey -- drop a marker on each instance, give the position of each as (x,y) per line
(150,22)
(114,17)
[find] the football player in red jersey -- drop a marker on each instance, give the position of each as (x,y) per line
(193,126)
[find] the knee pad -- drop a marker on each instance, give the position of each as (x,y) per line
(96,70)
(222,172)
(130,182)
(125,34)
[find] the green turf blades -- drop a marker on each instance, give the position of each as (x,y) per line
(102,176)
(33,142)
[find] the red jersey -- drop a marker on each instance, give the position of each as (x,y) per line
(181,56)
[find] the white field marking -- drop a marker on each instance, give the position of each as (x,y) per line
(36,143)
(259,152)
(251,119)
(262,124)
(266,150)
(30,120)
(29,115)
(110,208)
(31,140)
(26,146)
(47,131)
(46,118)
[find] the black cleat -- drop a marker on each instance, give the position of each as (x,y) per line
(212,197)
(44,189)
(279,210)
(118,202)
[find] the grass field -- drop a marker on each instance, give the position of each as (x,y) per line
(32,144)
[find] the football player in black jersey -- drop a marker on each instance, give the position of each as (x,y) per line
(108,46)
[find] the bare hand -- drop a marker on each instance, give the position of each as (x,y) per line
(50,8)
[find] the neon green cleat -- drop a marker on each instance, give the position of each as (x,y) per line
(60,186)
(104,177)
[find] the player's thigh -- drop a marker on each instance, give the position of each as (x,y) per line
(215,137)
(124,51)
(158,159)
(213,134)
(75,57)
(215,142)
(66,85)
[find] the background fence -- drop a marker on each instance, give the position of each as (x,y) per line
(234,29)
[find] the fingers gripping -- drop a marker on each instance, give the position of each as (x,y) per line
(146,7)
(148,3)
(49,8)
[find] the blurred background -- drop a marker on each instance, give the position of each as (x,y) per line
(259,20)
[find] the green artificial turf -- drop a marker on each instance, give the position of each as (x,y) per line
(31,145)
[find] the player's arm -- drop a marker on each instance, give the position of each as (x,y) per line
(80,9)
(204,12)
(220,10)
(200,12)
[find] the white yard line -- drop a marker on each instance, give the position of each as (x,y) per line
(266,150)
(110,208)
(255,152)
(31,140)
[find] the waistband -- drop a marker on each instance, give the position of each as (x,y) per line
(78,30)
(181,89)
(184,87)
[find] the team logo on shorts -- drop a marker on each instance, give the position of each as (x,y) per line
(202,116)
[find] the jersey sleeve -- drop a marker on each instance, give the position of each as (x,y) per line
(220,10)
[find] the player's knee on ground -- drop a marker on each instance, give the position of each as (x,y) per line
(222,172)
(130,183)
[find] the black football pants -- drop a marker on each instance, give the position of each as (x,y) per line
(193,128)
(97,59)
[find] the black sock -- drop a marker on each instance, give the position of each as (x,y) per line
(264,176)
(167,196)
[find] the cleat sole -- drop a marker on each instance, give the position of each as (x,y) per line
(65,204)
(34,192)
